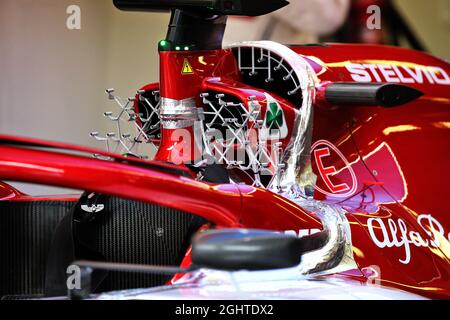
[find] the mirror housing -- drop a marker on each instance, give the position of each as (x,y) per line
(239,249)
(211,7)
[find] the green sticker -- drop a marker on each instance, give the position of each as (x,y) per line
(274,117)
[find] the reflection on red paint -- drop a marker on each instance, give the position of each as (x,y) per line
(366,190)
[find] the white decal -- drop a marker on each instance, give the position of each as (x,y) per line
(396,234)
(373,274)
(342,190)
(93,209)
(73,22)
(398,74)
(359,73)
(374,20)
(302,233)
(73,277)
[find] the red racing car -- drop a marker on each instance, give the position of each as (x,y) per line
(319,167)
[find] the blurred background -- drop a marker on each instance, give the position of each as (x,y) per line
(53,79)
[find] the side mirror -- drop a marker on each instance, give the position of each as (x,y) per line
(238,249)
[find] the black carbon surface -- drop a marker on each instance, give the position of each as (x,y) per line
(26,231)
(139,233)
(125,231)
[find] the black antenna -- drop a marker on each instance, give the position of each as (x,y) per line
(199,24)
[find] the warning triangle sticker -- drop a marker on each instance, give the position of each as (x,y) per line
(187,69)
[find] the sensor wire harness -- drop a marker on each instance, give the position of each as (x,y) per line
(129,134)
(240,135)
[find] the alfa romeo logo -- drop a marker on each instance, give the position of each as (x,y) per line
(274,117)
(275,120)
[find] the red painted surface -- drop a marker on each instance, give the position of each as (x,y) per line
(175,85)
(179,86)
(386,167)
(223,205)
(399,157)
(65,147)
(8,192)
